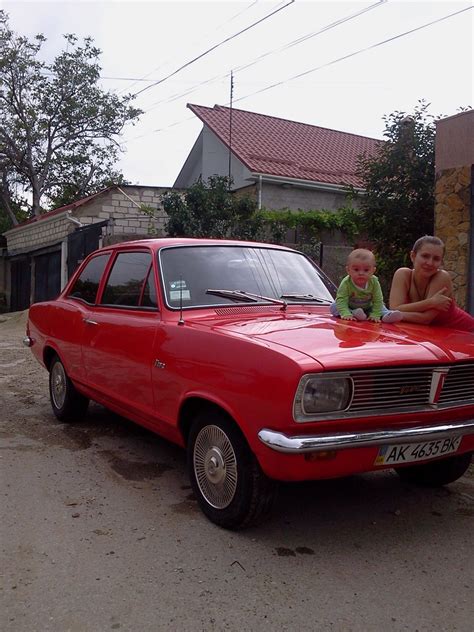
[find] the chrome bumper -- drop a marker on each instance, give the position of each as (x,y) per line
(345,440)
(27,341)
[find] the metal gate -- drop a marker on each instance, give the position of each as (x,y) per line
(20,284)
(81,243)
(47,276)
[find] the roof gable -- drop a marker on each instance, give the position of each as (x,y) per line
(272,146)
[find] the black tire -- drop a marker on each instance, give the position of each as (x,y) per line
(67,403)
(226,478)
(436,473)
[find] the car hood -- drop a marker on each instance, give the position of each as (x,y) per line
(334,343)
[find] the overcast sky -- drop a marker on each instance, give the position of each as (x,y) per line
(142,42)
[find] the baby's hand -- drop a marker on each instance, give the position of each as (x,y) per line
(440,301)
(374,319)
(349,317)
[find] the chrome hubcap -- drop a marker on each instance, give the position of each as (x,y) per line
(58,385)
(215,466)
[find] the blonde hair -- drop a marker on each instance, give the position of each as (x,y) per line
(362,254)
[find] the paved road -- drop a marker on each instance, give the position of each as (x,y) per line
(100,531)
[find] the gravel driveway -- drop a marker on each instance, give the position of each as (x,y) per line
(100,531)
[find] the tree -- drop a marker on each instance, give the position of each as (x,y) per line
(58,128)
(210,209)
(398,206)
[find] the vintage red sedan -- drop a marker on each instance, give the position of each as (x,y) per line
(228,349)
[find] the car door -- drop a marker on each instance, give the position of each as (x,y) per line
(69,323)
(118,340)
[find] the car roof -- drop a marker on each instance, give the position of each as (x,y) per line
(166,242)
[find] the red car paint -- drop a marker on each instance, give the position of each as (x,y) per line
(246,359)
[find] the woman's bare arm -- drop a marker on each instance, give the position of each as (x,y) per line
(438,298)
(423,318)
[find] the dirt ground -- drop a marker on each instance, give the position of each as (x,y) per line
(99,531)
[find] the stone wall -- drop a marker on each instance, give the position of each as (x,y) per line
(452,225)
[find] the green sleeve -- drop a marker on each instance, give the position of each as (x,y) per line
(377,299)
(342,298)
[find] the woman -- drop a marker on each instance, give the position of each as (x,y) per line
(424,294)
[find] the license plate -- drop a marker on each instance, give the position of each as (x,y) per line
(410,452)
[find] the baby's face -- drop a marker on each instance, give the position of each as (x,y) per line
(360,271)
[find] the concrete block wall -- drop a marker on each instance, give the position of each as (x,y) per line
(120,206)
(123,208)
(39,234)
(276,196)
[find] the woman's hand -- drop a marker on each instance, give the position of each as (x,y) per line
(440,301)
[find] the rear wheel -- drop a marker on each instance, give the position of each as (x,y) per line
(436,473)
(230,487)
(67,403)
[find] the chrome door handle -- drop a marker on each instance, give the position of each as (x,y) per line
(89,321)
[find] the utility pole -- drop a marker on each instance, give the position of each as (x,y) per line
(230,125)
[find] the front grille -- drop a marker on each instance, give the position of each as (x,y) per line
(401,390)
(384,389)
(459,385)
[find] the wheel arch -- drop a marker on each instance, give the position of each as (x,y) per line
(195,405)
(48,355)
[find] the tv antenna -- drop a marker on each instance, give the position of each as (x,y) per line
(230,125)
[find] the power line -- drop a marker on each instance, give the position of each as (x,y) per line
(209,50)
(268,53)
(311,70)
(282,48)
(358,52)
(144,77)
(232,18)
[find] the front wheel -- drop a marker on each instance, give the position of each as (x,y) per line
(226,478)
(67,403)
(436,473)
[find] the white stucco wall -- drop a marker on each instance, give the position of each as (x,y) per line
(216,161)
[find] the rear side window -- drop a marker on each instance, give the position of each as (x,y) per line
(131,282)
(87,284)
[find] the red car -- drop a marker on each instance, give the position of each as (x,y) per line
(228,349)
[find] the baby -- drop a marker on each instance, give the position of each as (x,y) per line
(359,296)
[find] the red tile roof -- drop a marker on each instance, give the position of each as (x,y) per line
(272,146)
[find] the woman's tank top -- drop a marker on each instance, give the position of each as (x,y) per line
(456,318)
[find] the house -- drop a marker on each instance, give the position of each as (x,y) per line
(284,164)
(43,252)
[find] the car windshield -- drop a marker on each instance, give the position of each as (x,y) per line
(208,275)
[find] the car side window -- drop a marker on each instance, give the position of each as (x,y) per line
(129,282)
(86,285)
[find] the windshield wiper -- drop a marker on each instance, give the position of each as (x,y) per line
(232,294)
(246,296)
(307,297)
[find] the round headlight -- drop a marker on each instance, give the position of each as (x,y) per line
(317,395)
